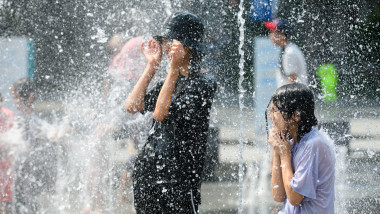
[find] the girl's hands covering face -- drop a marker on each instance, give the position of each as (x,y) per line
(279,142)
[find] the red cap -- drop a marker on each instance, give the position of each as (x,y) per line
(271,25)
(279,25)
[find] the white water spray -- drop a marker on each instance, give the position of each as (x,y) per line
(241,104)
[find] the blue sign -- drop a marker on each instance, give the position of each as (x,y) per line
(263,10)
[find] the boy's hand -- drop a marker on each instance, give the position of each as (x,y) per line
(177,55)
(152,52)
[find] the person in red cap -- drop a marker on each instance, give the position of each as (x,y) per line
(168,170)
(292,65)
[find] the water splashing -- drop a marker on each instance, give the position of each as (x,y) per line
(242,141)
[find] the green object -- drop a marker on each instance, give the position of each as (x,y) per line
(329,80)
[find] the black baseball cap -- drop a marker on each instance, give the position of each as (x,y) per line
(184,27)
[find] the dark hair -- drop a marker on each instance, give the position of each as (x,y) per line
(296,97)
(24,88)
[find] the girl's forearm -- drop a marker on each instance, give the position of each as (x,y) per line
(278,191)
(287,174)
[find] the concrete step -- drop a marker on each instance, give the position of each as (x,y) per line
(365,127)
(219,196)
(365,144)
(230,153)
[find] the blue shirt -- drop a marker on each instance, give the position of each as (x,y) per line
(313,163)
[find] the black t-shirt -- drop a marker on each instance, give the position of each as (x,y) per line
(176,147)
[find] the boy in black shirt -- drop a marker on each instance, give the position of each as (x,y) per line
(167,175)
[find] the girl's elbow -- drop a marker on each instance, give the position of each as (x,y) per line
(279,199)
(295,201)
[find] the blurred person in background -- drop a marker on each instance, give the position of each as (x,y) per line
(292,65)
(6,172)
(36,169)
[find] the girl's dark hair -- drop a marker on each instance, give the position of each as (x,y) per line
(296,97)
(24,88)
